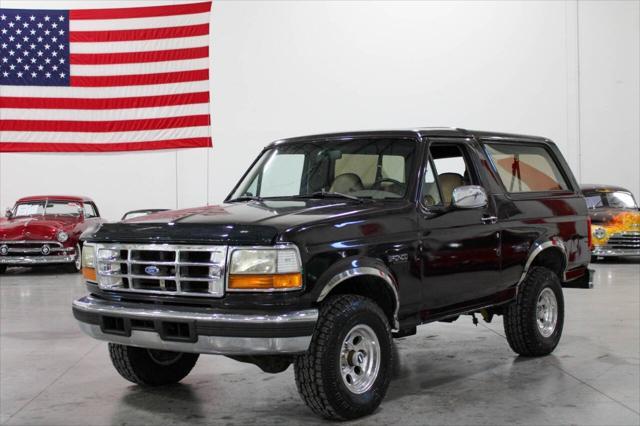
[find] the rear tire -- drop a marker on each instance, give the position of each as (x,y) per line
(151,367)
(533,323)
(347,369)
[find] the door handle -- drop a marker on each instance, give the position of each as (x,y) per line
(489,219)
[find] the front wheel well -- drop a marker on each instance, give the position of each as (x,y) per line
(374,288)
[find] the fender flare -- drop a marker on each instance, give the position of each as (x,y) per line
(357,270)
(552,243)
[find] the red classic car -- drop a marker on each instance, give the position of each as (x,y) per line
(46,229)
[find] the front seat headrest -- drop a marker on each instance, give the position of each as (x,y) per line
(449,182)
(347,182)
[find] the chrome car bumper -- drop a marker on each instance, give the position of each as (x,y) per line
(36,260)
(604,251)
(197,330)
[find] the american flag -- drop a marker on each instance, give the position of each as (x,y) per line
(96,80)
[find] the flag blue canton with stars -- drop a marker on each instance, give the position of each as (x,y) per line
(34,47)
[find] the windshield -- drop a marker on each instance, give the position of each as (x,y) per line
(363,168)
(39,208)
(616,200)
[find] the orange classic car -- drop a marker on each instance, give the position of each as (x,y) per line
(615,220)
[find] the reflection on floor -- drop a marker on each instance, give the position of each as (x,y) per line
(447,374)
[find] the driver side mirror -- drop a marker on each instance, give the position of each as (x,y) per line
(469,197)
(8,213)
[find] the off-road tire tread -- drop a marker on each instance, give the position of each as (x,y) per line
(522,338)
(308,367)
(120,361)
(125,358)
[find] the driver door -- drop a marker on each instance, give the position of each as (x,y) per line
(459,248)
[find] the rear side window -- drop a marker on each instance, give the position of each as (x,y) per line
(89,210)
(526,168)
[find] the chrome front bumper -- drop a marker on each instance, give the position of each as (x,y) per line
(196,330)
(603,251)
(36,260)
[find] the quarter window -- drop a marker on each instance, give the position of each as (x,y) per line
(526,168)
(89,210)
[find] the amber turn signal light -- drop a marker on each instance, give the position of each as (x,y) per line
(264,282)
(89,274)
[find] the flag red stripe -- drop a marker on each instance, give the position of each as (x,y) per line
(140,12)
(143,34)
(138,57)
(139,79)
(105,103)
(104,126)
(105,147)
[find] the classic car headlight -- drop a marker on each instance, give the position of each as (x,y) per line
(267,269)
(89,262)
(599,233)
(62,236)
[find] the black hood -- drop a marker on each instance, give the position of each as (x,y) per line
(237,223)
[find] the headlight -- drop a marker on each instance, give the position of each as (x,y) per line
(62,236)
(265,269)
(89,262)
(599,233)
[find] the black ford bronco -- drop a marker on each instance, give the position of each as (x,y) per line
(332,245)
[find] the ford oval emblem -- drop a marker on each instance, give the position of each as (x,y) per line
(152,270)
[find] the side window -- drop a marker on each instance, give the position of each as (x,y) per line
(451,167)
(526,168)
(430,191)
(89,210)
(282,175)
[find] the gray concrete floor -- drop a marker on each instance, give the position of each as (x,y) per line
(447,374)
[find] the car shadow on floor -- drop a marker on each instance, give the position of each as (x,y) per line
(429,371)
(36,271)
(167,404)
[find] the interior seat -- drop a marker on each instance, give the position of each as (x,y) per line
(449,182)
(347,182)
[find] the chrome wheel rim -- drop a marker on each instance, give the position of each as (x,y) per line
(78,260)
(360,359)
(547,312)
(164,357)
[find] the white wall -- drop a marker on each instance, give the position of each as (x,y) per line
(566,70)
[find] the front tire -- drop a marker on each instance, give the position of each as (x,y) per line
(151,367)
(347,369)
(533,324)
(76,265)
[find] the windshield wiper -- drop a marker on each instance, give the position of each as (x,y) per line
(244,198)
(330,194)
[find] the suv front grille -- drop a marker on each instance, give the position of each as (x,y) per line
(624,240)
(192,270)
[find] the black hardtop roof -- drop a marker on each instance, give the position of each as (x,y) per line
(418,132)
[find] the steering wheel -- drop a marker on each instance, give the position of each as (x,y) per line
(379,181)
